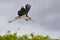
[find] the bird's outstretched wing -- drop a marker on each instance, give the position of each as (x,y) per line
(27,7)
(24,11)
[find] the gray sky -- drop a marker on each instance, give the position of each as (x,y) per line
(45,13)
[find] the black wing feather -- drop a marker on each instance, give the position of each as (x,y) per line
(24,11)
(27,7)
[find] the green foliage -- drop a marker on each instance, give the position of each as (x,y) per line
(14,36)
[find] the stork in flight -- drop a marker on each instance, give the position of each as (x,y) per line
(23,13)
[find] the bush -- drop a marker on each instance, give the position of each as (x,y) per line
(14,36)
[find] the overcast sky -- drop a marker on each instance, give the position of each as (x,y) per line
(45,13)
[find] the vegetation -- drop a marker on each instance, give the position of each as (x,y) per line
(31,36)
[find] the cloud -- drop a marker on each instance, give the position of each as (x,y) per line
(45,13)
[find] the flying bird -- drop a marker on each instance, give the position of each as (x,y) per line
(23,13)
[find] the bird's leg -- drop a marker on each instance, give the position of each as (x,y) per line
(13,20)
(30,19)
(26,19)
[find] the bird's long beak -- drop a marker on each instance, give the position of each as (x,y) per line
(13,19)
(9,21)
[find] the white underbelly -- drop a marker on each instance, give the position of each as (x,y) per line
(24,17)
